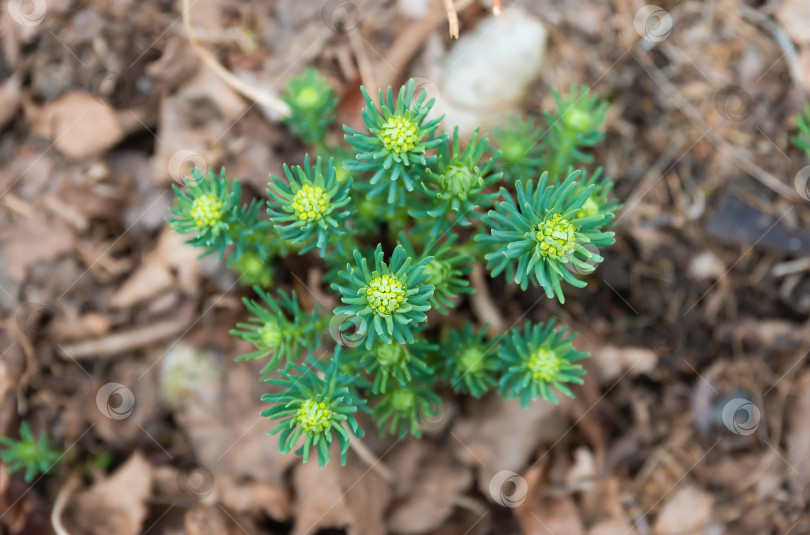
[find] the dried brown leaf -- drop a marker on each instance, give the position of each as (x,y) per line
(78,124)
(502,435)
(431,500)
(34,239)
(688,511)
(116,505)
(172,263)
(353,497)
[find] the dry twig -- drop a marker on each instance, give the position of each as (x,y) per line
(452,18)
(62,499)
(263,98)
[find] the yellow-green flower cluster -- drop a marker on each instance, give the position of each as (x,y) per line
(538,361)
(310,203)
(206,210)
(399,134)
(388,299)
(310,208)
(544,364)
(557,237)
(316,402)
(385,294)
(314,416)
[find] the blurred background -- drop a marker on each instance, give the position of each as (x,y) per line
(695,417)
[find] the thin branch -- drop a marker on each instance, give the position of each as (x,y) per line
(371,460)
(263,98)
(452,18)
(62,499)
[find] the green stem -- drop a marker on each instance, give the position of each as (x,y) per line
(562,158)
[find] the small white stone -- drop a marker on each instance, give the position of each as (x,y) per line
(489,69)
(413,9)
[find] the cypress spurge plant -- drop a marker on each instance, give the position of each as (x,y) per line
(29,454)
(538,234)
(314,409)
(395,223)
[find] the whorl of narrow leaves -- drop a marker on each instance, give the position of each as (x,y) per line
(539,236)
(310,208)
(33,456)
(317,408)
(279,330)
(312,106)
(536,362)
(389,299)
(397,142)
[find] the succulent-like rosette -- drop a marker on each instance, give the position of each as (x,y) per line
(575,125)
(537,361)
(447,272)
(310,207)
(396,145)
(279,329)
(312,104)
(456,184)
(539,234)
(33,456)
(390,299)
(392,364)
(208,207)
(316,408)
(469,361)
(519,147)
(401,410)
